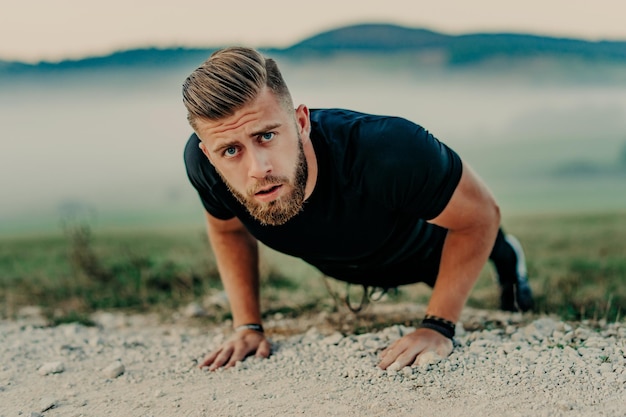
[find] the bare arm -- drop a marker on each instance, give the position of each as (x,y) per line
(236,253)
(472,218)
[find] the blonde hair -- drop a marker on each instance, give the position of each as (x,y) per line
(228,80)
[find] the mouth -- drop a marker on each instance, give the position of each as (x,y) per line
(268,194)
(268,190)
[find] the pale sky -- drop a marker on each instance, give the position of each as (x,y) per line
(34,30)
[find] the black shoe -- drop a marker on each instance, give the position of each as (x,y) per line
(516,295)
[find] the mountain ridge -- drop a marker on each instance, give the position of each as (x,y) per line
(365,39)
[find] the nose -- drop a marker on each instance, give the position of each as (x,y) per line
(259,163)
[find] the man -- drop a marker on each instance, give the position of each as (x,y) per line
(366,199)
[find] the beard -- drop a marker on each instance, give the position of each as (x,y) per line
(281,210)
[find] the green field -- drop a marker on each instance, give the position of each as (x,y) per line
(577,266)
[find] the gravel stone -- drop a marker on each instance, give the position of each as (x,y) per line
(47,403)
(51,368)
(114,370)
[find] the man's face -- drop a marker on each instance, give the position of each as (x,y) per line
(258,153)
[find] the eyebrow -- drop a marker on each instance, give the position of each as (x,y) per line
(256,133)
(225,145)
(265,129)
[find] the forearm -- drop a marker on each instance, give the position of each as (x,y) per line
(465,252)
(236,253)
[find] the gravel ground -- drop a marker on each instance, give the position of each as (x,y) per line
(511,365)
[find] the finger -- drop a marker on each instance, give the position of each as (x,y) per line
(406,359)
(389,348)
(239,353)
(210,358)
(245,348)
(264,349)
(391,357)
(399,361)
(434,354)
(427,358)
(445,349)
(221,358)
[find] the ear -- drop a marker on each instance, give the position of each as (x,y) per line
(205,151)
(303,121)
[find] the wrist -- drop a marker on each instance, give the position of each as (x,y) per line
(440,325)
(250,326)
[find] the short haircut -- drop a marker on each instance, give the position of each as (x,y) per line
(228,80)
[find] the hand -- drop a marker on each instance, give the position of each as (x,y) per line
(240,345)
(408,349)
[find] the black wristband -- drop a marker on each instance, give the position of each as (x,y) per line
(250,326)
(443,326)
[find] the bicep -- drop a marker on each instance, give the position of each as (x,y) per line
(218,225)
(472,204)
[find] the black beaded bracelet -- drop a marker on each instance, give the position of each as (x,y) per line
(443,326)
(250,326)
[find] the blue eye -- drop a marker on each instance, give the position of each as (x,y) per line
(266,137)
(230,152)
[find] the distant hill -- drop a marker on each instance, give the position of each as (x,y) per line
(365,39)
(470,48)
(134,58)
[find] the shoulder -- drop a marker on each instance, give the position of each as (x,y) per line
(364,132)
(199,170)
(342,123)
(344,120)
(378,141)
(192,150)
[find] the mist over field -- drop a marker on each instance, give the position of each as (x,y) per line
(109,142)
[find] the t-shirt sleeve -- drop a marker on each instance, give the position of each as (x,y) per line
(205,180)
(416,173)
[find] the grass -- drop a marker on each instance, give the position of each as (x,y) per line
(578,262)
(577,267)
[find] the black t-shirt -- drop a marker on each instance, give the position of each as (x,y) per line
(379,179)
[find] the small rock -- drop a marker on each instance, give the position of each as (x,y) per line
(51,368)
(312,335)
(530,356)
(392,332)
(597,342)
(32,315)
(194,310)
(333,339)
(518,337)
(582,333)
(71,329)
(541,328)
(565,406)
(114,370)
(47,403)
(219,299)
(95,341)
(590,353)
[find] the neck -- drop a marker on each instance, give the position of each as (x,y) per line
(311,160)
